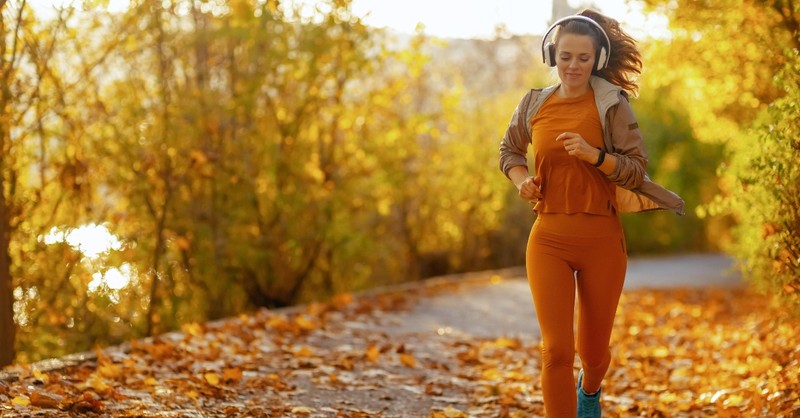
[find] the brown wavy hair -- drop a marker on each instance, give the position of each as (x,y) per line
(625,63)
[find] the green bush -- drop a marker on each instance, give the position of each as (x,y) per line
(681,163)
(763,193)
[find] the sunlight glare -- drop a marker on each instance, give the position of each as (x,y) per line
(116,6)
(115,278)
(91,239)
(479,18)
(457,18)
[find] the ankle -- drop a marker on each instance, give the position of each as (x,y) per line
(590,395)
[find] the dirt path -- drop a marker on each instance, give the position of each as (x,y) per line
(426,349)
(506,309)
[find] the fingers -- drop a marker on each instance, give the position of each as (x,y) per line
(530,195)
(574,144)
(531,188)
(570,141)
(572,149)
(570,138)
(566,136)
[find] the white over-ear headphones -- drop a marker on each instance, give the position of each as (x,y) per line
(549,48)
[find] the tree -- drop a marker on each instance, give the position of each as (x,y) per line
(763,184)
(254,147)
(745,75)
(680,162)
(728,53)
(7,325)
(42,171)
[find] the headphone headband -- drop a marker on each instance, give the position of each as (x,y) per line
(588,20)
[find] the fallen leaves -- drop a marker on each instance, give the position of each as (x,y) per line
(716,350)
(372,353)
(408,360)
(212,379)
(448,412)
(21,400)
(677,353)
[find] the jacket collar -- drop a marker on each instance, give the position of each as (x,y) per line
(606,95)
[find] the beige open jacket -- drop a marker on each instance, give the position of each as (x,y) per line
(621,137)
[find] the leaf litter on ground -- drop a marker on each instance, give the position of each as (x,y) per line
(716,352)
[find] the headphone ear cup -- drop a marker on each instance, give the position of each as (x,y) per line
(601,60)
(550,54)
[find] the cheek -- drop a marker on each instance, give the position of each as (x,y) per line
(584,66)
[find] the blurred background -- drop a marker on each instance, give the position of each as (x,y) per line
(174,161)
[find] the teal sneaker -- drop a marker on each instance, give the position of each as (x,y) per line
(588,405)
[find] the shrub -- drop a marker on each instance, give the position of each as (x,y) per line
(763,193)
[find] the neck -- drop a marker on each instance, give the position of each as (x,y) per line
(567,92)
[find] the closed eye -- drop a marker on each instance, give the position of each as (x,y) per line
(582,58)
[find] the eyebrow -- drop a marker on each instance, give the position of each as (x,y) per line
(579,53)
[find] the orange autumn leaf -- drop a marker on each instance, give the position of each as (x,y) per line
(279,323)
(108,370)
(157,350)
(407,360)
(314,310)
(193,329)
(372,353)
(21,400)
(334,378)
(41,376)
(97,383)
(304,351)
(449,412)
(507,342)
(212,378)
(305,323)
(233,374)
(341,300)
(45,400)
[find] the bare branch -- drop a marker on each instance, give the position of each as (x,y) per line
(13,60)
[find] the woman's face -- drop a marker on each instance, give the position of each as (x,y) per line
(575,59)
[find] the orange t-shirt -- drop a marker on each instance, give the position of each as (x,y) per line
(570,185)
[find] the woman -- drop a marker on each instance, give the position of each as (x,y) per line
(589,166)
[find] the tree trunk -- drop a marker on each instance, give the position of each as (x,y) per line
(166,173)
(8,330)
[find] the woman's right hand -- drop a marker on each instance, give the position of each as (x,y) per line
(531,189)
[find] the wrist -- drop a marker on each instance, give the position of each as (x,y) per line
(600,158)
(520,179)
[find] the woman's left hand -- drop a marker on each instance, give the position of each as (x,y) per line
(577,147)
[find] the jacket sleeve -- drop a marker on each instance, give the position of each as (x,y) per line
(514,146)
(628,147)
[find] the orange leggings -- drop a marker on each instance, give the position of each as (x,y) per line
(559,246)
